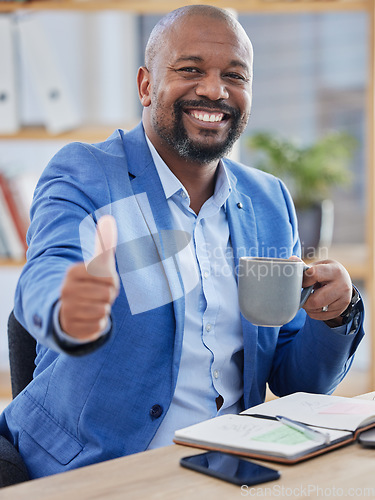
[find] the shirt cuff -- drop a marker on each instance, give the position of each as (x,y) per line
(68,338)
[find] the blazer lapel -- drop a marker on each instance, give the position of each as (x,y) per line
(155,216)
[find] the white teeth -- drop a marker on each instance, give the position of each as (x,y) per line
(205,117)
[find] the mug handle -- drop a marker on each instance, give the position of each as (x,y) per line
(305,294)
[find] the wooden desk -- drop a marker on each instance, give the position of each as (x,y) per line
(347,472)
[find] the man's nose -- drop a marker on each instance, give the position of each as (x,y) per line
(212,87)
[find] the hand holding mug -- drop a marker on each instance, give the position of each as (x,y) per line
(270,290)
(332,291)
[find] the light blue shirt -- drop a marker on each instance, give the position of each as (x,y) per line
(212,351)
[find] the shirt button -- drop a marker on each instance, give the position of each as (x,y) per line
(208,327)
(37,320)
(216,374)
(206,274)
(183,194)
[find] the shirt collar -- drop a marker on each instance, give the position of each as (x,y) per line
(171,185)
(169,181)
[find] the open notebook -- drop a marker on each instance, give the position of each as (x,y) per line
(256,432)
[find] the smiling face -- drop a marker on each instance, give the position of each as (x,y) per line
(196,92)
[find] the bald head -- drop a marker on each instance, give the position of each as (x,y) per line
(168,24)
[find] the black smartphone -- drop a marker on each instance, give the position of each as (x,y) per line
(230,468)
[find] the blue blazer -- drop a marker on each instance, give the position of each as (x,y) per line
(80,410)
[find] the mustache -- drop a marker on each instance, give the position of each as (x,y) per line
(207,104)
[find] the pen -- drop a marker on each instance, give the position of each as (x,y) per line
(306,431)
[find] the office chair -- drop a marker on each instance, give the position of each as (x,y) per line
(21,359)
(12,467)
(21,355)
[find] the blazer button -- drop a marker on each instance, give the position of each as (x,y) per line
(156,411)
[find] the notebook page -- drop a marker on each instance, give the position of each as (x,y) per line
(240,433)
(332,412)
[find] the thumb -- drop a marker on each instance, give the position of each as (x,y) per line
(103,262)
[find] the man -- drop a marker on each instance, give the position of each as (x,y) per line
(122,363)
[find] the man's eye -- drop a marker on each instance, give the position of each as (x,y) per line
(188,69)
(236,76)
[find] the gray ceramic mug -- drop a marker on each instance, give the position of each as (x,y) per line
(270,290)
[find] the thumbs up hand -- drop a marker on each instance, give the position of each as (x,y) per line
(88,293)
(103,263)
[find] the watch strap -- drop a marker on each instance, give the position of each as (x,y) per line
(350,311)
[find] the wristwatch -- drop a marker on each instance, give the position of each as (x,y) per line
(350,311)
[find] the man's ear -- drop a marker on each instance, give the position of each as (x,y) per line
(144,86)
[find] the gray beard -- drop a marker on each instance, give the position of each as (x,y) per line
(195,151)
(201,153)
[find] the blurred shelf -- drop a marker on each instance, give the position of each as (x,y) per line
(4,262)
(354,258)
(84,134)
(5,386)
(160,6)
(355,382)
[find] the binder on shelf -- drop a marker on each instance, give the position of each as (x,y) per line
(9,119)
(4,252)
(59,112)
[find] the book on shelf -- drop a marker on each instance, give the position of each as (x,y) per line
(22,186)
(13,226)
(259,433)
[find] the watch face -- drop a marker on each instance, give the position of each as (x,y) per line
(355,298)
